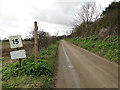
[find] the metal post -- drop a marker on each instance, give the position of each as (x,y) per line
(20,60)
(35,38)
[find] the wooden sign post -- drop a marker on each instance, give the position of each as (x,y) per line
(16,42)
(20,60)
(35,39)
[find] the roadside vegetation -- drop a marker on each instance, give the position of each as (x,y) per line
(31,74)
(97,31)
(107,47)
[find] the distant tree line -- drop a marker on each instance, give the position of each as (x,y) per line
(5,40)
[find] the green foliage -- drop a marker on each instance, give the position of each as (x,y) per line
(107,48)
(43,67)
(27,82)
(4,43)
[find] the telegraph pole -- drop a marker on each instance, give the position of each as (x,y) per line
(35,39)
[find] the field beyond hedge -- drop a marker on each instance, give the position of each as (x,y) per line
(31,74)
(107,48)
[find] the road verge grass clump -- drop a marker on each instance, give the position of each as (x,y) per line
(42,70)
(107,47)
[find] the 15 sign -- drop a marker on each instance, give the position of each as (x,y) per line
(15,41)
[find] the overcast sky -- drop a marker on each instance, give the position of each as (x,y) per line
(17,16)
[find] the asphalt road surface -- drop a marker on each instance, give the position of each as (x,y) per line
(79,68)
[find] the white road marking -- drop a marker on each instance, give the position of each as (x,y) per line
(71,68)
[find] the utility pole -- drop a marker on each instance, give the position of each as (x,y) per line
(35,39)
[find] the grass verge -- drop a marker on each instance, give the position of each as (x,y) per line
(107,48)
(31,74)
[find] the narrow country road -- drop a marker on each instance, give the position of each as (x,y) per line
(79,68)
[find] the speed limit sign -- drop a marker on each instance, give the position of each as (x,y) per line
(15,41)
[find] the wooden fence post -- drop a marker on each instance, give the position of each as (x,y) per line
(35,39)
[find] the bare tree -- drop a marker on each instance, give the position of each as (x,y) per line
(89,12)
(31,35)
(43,39)
(56,33)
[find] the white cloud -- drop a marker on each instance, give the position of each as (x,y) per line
(18,16)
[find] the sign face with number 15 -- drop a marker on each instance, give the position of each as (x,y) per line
(15,41)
